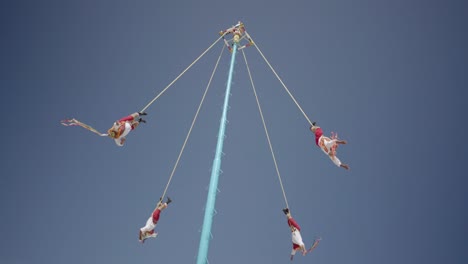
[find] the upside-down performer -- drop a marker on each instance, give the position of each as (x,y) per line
(123,126)
(295,235)
(328,145)
(118,131)
(148,230)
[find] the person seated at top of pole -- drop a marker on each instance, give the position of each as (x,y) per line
(239,33)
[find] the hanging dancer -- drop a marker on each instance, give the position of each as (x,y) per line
(328,145)
(118,131)
(123,126)
(295,235)
(148,230)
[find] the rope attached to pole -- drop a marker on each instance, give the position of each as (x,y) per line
(286,88)
(199,57)
(266,130)
(193,123)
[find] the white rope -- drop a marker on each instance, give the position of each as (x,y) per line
(286,88)
(193,123)
(266,130)
(155,98)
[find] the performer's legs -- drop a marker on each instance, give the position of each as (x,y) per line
(297,239)
(134,124)
(335,160)
(149,226)
(155,216)
(127,118)
(329,143)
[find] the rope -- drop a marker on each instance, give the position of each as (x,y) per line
(286,88)
(193,123)
(199,57)
(266,130)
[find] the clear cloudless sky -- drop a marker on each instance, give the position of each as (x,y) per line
(389,76)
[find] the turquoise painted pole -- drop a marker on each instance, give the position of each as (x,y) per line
(210,202)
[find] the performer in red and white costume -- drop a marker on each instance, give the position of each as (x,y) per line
(328,145)
(295,235)
(123,126)
(148,230)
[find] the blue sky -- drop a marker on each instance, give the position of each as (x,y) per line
(388,76)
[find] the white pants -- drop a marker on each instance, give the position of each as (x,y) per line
(296,239)
(335,160)
(127,129)
(149,225)
(326,144)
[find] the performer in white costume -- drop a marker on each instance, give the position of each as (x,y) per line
(148,230)
(328,145)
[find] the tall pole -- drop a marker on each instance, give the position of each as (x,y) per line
(210,202)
